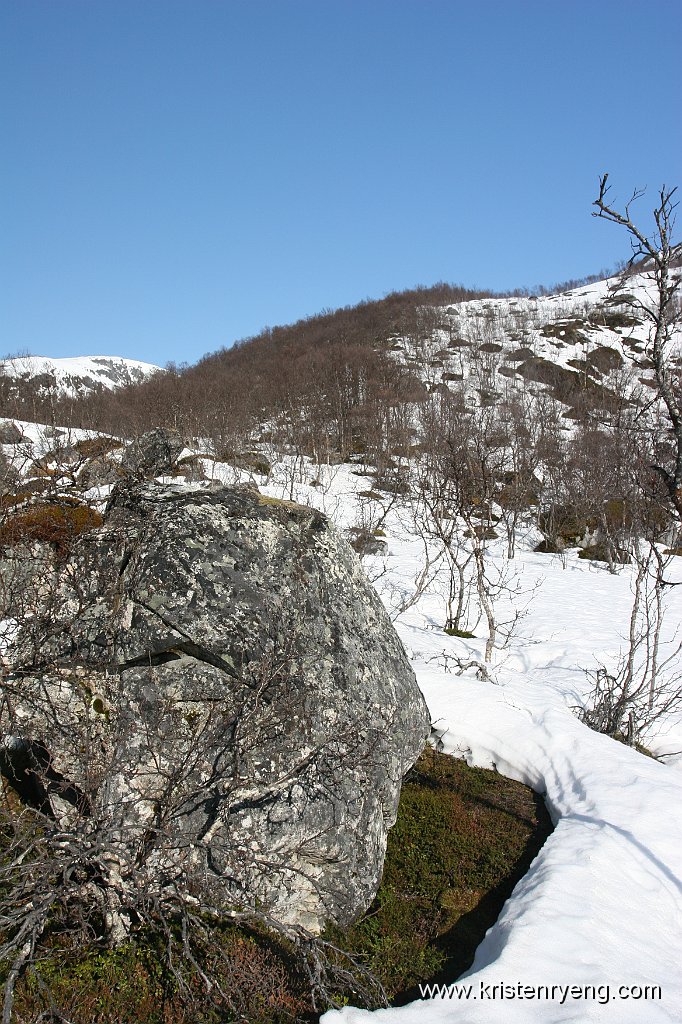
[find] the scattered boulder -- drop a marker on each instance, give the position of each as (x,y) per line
(365,542)
(152,454)
(10,433)
(99,472)
(605,359)
(603,551)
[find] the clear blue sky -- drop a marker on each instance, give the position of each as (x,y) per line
(177,174)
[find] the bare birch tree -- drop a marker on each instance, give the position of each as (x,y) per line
(656,255)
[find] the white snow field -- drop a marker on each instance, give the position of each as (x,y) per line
(598,917)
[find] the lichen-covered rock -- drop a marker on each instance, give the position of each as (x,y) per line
(250,711)
(152,454)
(10,433)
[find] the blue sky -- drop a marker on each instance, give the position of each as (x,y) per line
(177,174)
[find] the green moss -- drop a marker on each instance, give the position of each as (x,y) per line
(464,633)
(289,506)
(462,839)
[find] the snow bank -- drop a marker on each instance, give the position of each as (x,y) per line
(602,902)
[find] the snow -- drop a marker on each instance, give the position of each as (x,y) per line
(40,440)
(518,322)
(602,902)
(45,436)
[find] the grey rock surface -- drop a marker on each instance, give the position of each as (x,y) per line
(250,710)
(152,454)
(10,433)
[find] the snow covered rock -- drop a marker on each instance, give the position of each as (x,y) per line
(232,699)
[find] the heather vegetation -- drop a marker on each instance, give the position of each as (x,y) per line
(463,837)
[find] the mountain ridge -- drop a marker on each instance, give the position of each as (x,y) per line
(74,375)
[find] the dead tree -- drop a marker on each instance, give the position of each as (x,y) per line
(631,700)
(644,687)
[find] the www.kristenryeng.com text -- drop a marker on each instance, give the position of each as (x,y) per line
(500,991)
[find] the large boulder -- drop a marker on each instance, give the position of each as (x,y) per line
(223,689)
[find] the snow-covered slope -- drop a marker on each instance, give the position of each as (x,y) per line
(78,375)
(588,339)
(598,917)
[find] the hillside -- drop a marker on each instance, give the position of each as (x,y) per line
(499,464)
(327,380)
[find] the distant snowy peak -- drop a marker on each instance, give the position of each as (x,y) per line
(78,375)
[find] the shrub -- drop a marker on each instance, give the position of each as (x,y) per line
(255,978)
(56,523)
(96,447)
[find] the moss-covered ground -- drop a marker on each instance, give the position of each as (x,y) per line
(463,838)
